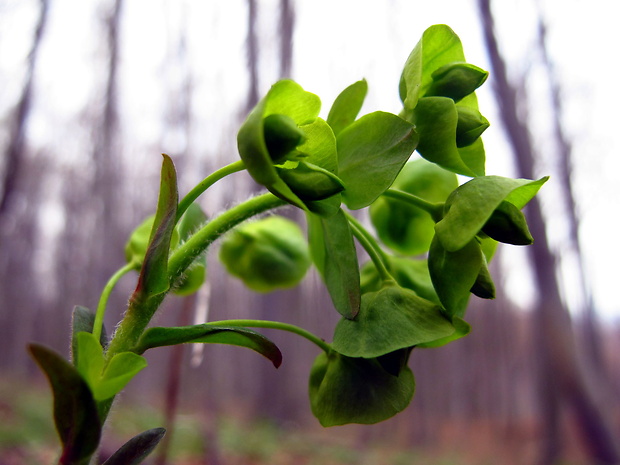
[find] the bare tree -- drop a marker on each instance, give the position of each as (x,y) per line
(560,377)
(15,149)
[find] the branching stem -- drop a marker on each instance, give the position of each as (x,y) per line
(433,209)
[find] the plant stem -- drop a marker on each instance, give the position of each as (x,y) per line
(140,311)
(206,183)
(105,294)
(433,209)
(372,248)
(276,325)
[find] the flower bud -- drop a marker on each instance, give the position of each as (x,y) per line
(266,255)
(471,124)
(507,224)
(456,80)
(282,135)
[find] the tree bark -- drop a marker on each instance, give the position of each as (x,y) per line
(560,378)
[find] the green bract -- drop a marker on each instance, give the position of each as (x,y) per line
(265,140)
(391,318)
(266,255)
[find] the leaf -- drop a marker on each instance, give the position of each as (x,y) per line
(371,153)
(462,329)
(105,381)
(356,390)
(83,320)
(75,411)
(471,205)
(438,46)
(347,106)
(335,256)
(507,224)
(391,318)
(137,448)
(287,98)
(403,227)
(454,274)
(436,120)
(153,278)
(205,333)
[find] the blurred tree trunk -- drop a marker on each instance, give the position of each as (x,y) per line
(560,378)
(252,51)
(287,26)
(15,149)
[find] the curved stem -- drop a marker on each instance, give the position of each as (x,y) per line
(105,294)
(433,209)
(372,248)
(206,183)
(276,325)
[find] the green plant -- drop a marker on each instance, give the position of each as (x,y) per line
(317,165)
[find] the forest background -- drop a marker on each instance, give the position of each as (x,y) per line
(92,92)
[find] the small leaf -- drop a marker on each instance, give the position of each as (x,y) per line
(391,318)
(120,370)
(83,320)
(335,256)
(205,333)
(507,224)
(371,153)
(347,106)
(438,46)
(454,274)
(75,411)
(356,390)
(311,182)
(462,329)
(436,120)
(484,286)
(153,278)
(471,205)
(134,451)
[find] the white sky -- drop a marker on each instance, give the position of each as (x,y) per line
(336,43)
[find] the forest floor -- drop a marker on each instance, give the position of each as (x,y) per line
(27,437)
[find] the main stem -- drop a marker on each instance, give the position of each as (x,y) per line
(140,311)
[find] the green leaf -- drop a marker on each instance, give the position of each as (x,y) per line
(83,320)
(335,256)
(484,287)
(347,106)
(438,46)
(134,451)
(192,220)
(311,182)
(153,278)
(471,205)
(75,411)
(456,80)
(436,120)
(454,274)
(371,153)
(462,329)
(105,381)
(356,390)
(507,224)
(403,227)
(285,98)
(391,318)
(205,333)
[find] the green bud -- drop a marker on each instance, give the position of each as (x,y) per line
(282,135)
(267,254)
(508,224)
(456,80)
(484,286)
(311,182)
(471,124)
